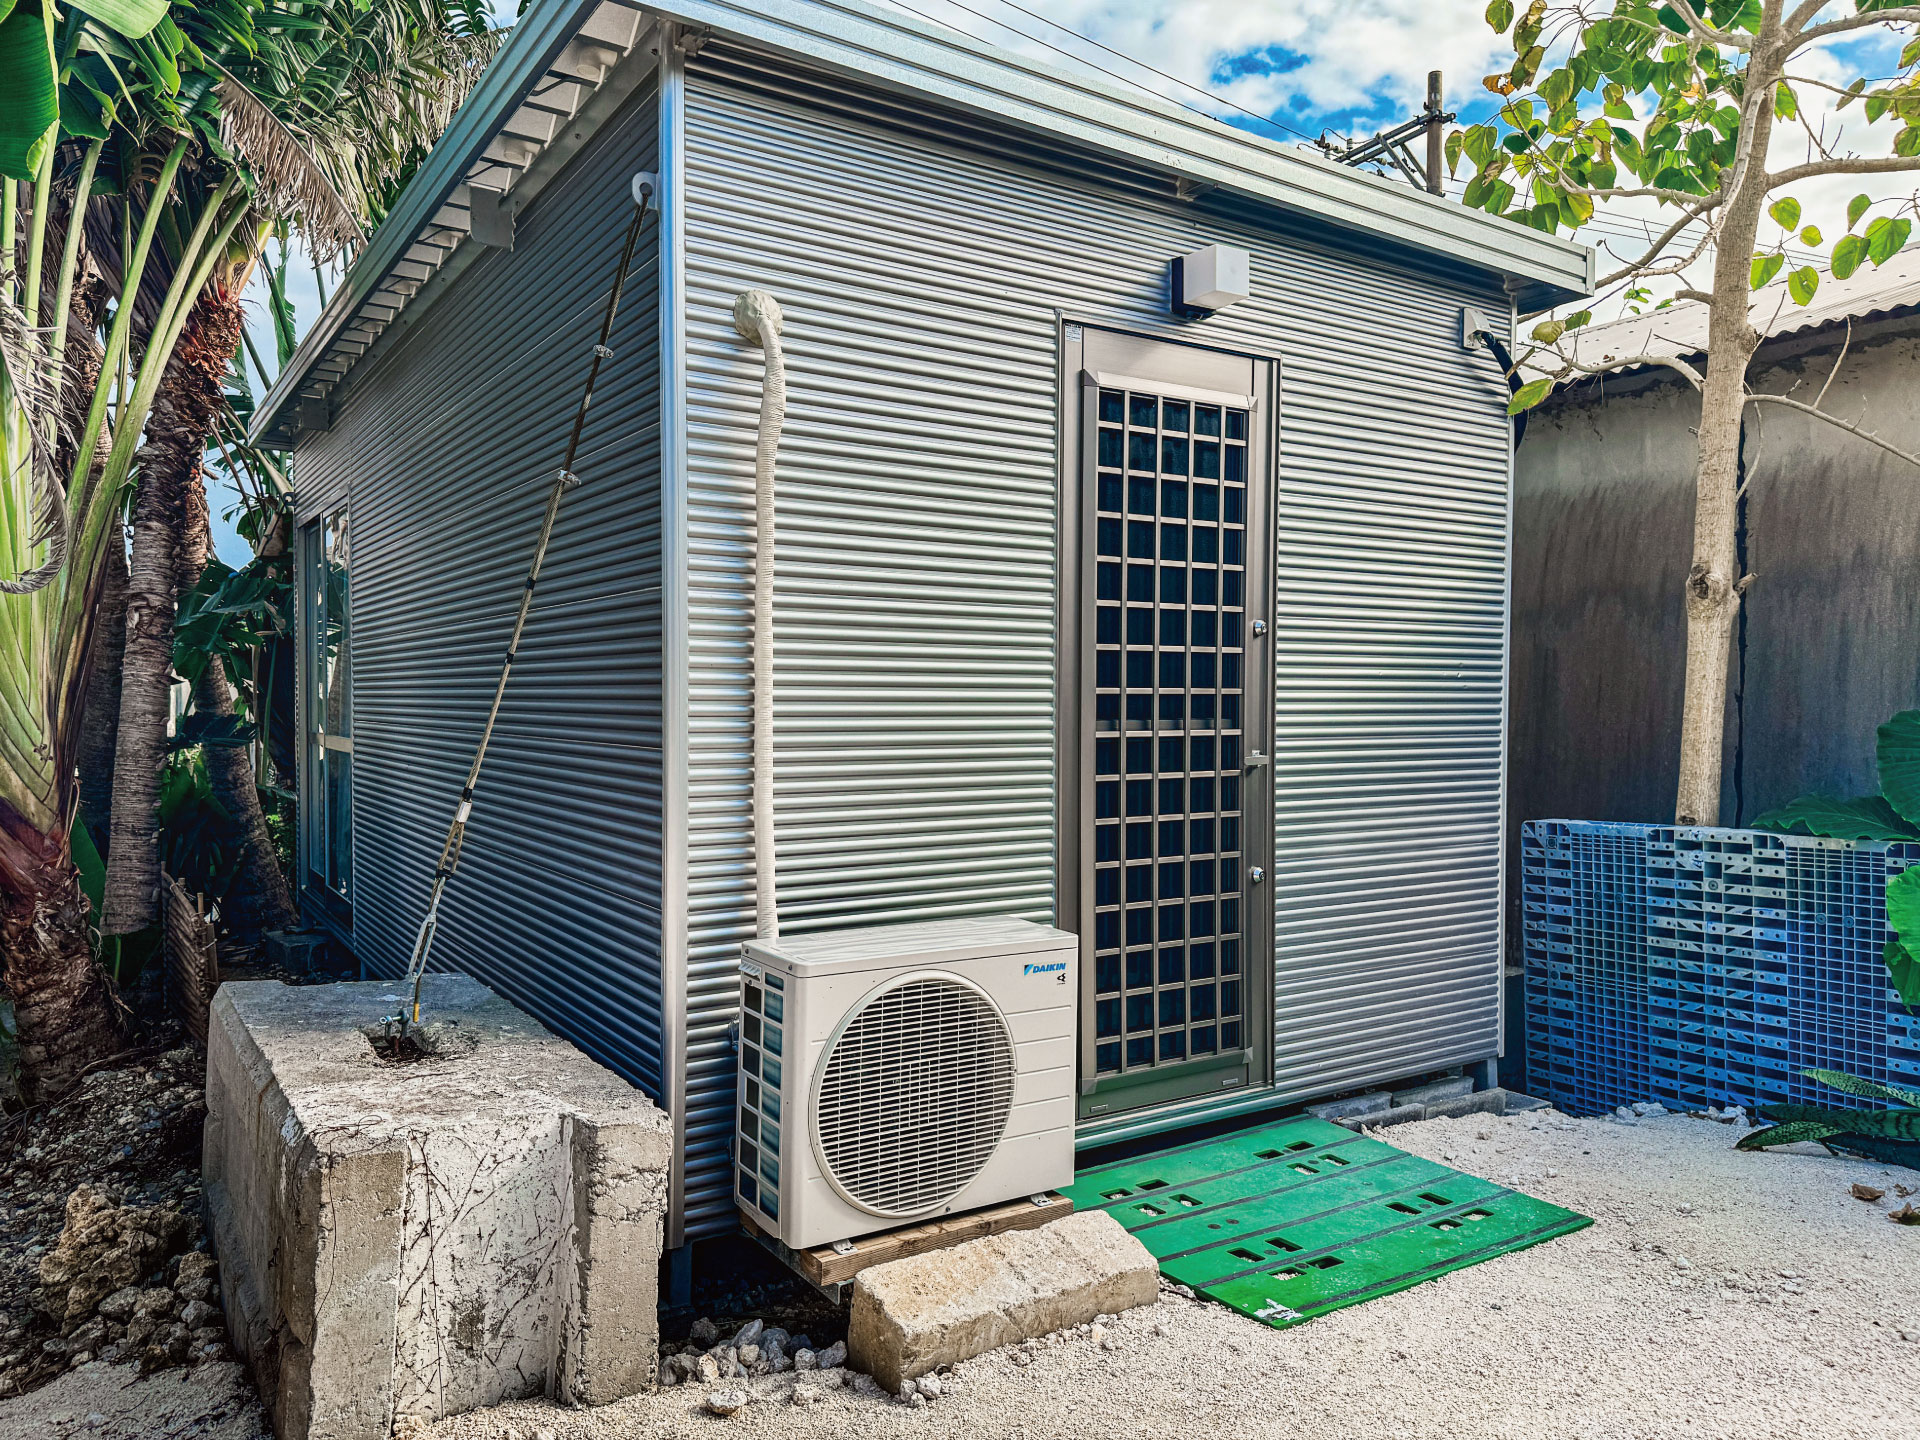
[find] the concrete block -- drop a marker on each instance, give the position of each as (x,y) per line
(299,952)
(1436,1091)
(1371,1103)
(403,1242)
(1481,1102)
(1518,1104)
(1393,1115)
(912,1315)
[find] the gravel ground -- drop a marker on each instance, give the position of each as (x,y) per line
(1718,1294)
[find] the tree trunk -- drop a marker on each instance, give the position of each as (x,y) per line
(177,430)
(1713,583)
(259,899)
(63,1007)
(100,720)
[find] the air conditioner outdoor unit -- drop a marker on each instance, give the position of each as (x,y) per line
(899,1073)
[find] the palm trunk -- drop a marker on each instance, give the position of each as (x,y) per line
(63,1007)
(177,429)
(100,720)
(259,899)
(1713,583)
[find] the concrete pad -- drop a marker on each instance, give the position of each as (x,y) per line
(1481,1102)
(1370,1103)
(403,1242)
(912,1315)
(1435,1092)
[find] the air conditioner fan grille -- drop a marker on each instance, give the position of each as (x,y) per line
(914,1096)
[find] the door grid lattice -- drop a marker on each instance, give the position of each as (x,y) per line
(1168,643)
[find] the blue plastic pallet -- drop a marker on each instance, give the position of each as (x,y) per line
(1700,966)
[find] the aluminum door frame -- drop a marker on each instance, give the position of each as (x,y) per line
(1080,385)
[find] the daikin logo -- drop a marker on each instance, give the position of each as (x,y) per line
(1047,969)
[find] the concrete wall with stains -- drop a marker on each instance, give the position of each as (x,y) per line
(1602,541)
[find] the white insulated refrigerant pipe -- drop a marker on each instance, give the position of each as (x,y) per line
(756,315)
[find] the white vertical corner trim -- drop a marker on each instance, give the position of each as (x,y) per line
(673,610)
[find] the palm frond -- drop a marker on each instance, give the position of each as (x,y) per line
(287,179)
(33,375)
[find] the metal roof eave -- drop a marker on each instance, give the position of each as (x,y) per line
(878,46)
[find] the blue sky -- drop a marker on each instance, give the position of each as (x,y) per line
(1345,66)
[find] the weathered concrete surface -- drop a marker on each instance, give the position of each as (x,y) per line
(404,1242)
(1370,1103)
(1435,1091)
(912,1315)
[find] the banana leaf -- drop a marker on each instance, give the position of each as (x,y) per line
(1869,817)
(1898,751)
(1903,918)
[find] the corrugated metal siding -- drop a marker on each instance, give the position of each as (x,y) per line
(445,451)
(921,275)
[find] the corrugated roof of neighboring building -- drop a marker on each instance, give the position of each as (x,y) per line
(1681,329)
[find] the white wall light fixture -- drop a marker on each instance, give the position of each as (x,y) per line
(1211,279)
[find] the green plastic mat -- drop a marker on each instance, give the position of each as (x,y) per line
(1289,1221)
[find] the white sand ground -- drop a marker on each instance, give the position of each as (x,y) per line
(1718,1296)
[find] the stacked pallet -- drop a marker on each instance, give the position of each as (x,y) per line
(1699,966)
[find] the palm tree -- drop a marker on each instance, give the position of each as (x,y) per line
(345,105)
(111,120)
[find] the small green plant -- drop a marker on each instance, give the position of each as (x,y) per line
(1893,814)
(1885,1134)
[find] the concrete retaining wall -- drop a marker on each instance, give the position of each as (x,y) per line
(401,1242)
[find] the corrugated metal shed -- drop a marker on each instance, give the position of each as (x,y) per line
(538,101)
(932,214)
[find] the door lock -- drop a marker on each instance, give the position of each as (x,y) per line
(1256,874)
(1259,627)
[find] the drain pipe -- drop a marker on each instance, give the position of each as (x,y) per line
(756,315)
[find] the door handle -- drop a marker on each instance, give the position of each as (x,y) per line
(1255,760)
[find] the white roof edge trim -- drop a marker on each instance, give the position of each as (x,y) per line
(891,50)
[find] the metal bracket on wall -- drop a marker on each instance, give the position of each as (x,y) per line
(490,222)
(314,414)
(646,189)
(1474,329)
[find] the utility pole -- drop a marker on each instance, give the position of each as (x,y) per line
(1436,129)
(1395,147)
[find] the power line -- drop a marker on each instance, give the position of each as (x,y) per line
(1111,74)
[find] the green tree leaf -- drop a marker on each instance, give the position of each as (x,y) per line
(129,17)
(32,105)
(1785,212)
(1784,105)
(1802,283)
(1529,395)
(1887,237)
(1548,331)
(1848,255)
(1896,752)
(1764,268)
(1500,15)
(1456,145)
(1868,818)
(1904,970)
(1811,236)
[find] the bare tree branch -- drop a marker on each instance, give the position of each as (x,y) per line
(1838,361)
(1865,19)
(1835,420)
(1846,165)
(1703,31)
(1667,237)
